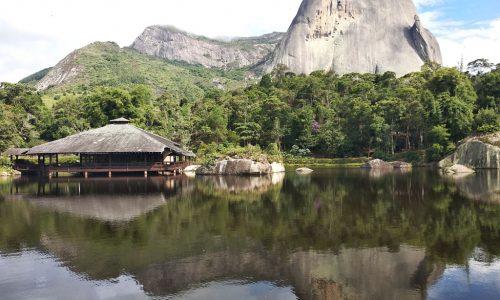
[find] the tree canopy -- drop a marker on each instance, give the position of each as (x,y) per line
(323,113)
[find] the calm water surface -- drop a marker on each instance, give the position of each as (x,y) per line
(332,235)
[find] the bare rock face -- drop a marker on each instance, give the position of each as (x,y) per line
(365,36)
(476,153)
(61,73)
(68,69)
(170,43)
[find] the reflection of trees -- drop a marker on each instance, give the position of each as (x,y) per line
(324,213)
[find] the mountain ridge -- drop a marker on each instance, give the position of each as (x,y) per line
(171,43)
(107,64)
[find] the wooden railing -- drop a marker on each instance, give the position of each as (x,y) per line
(101,167)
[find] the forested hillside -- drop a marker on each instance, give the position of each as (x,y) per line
(322,114)
(106,64)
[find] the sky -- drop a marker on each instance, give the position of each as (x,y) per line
(37,34)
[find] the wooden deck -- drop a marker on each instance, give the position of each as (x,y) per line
(102,168)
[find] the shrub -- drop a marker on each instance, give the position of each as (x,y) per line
(4,161)
(487,121)
(413,157)
(381,155)
(208,154)
(297,151)
(434,153)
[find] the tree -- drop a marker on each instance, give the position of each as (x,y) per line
(439,138)
(487,86)
(487,121)
(479,66)
(210,123)
(248,132)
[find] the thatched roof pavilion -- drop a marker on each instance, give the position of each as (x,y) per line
(116,147)
(117,137)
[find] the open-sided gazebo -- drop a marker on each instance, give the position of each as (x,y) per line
(117,147)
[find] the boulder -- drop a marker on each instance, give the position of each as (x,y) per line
(232,166)
(476,153)
(377,164)
(277,168)
(192,168)
(304,171)
(400,165)
(458,169)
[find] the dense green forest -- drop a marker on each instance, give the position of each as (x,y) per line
(322,114)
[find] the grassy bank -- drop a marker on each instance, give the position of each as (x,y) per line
(325,162)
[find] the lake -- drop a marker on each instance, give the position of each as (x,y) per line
(334,234)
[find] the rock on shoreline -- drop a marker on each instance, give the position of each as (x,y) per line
(241,167)
(377,164)
(476,153)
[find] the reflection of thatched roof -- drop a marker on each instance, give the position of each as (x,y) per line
(15,151)
(103,207)
(117,137)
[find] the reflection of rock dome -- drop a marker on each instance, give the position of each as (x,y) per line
(354,273)
(482,186)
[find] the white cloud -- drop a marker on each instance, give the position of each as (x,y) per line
(423,3)
(470,41)
(37,34)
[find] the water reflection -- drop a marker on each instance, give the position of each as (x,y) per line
(118,200)
(235,184)
(483,186)
(334,234)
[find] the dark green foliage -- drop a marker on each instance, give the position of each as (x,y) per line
(488,89)
(22,115)
(322,114)
(487,121)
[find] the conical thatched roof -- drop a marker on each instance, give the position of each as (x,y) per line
(117,137)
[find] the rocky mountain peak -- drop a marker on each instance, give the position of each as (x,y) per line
(365,36)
